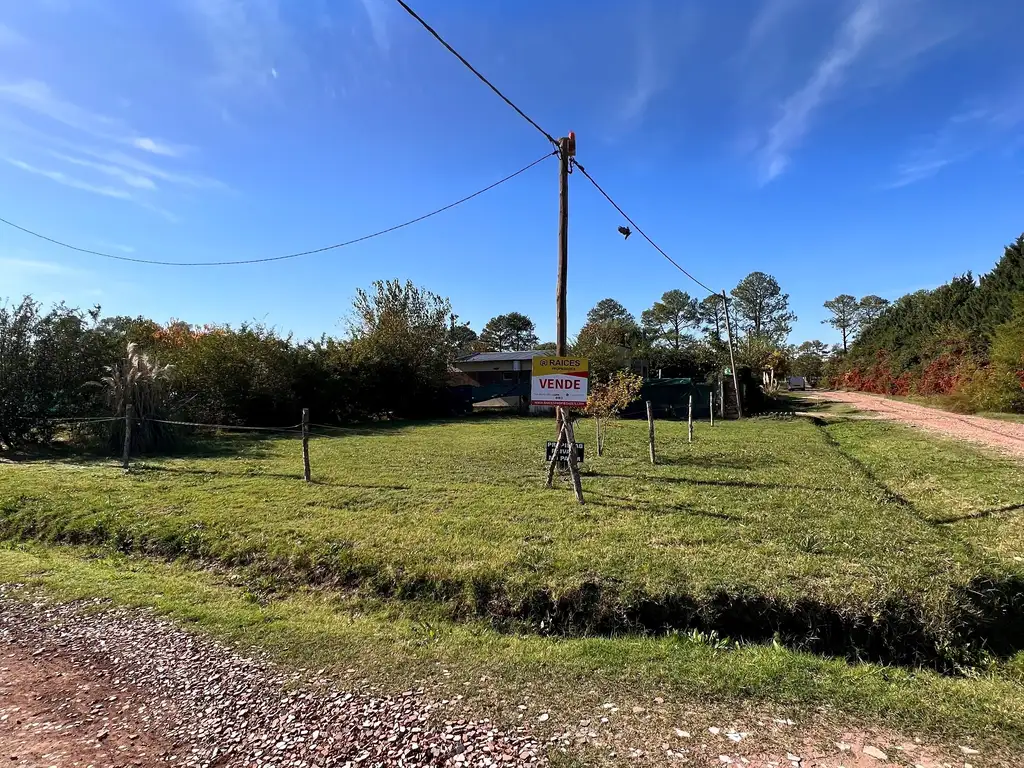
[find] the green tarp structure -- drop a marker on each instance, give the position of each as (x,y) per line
(670,397)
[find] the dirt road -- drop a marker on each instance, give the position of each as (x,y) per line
(124,688)
(1003,436)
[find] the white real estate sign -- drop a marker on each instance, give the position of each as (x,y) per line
(559,381)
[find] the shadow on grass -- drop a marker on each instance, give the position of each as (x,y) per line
(749,484)
(888,494)
(251,445)
(718,462)
(297,476)
(981,515)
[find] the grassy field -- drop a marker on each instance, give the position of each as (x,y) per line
(759,529)
(437,544)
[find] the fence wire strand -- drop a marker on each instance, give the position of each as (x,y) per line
(294,429)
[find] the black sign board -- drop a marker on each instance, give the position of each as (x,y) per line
(563,455)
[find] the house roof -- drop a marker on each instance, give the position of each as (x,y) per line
(495,357)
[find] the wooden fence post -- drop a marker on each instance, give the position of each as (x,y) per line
(127,435)
(650,429)
(574,469)
(689,418)
(305,445)
(558,444)
(711,405)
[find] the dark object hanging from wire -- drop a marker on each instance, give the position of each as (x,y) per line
(625,232)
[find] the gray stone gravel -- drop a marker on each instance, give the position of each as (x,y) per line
(222,708)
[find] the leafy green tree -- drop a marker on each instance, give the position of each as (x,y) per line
(45,361)
(547,346)
(462,336)
(609,346)
(608,398)
(511,332)
(995,300)
(808,360)
(401,339)
(761,308)
(846,316)
(668,320)
(711,315)
(608,311)
(22,411)
(610,339)
(870,308)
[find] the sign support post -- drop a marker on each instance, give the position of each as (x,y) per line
(563,383)
(732,359)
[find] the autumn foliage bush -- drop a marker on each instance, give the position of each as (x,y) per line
(963,342)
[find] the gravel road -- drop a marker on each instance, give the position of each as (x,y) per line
(118,688)
(123,688)
(1004,436)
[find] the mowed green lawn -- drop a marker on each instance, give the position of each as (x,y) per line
(831,538)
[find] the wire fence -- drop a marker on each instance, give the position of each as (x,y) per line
(294,428)
(71,419)
(304,429)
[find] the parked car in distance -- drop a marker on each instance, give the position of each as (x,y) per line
(796,382)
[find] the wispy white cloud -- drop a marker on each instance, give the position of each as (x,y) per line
(70,181)
(38,121)
(653,61)
(125,160)
(116,247)
(646,85)
(9,38)
(877,43)
(377,12)
(37,97)
(34,267)
(786,133)
(248,40)
(964,135)
(157,147)
(768,20)
(131,179)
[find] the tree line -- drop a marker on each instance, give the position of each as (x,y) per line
(62,363)
(394,360)
(678,335)
(963,341)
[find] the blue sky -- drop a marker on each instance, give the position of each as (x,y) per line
(846,146)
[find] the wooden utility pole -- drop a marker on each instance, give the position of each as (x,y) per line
(566,150)
(126,451)
(305,445)
(732,358)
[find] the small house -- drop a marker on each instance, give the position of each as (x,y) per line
(499,380)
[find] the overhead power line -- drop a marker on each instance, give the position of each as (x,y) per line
(475,71)
(642,233)
(404,224)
